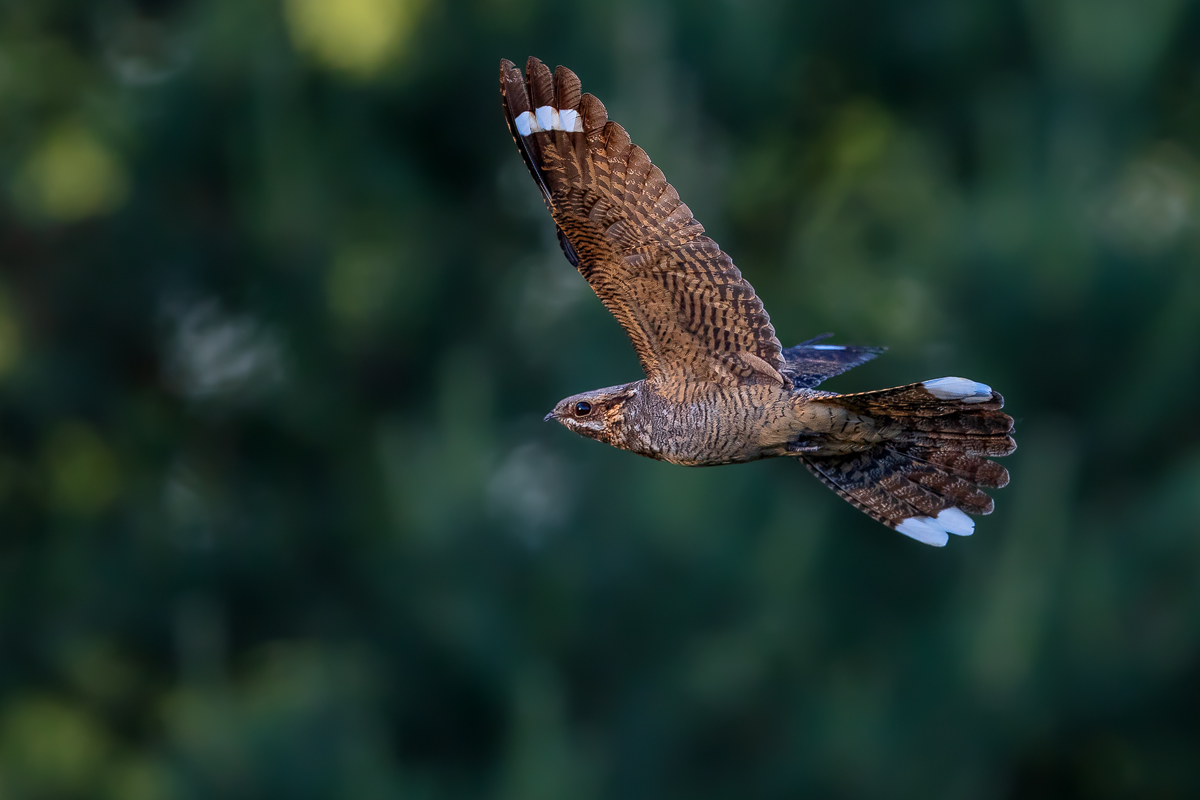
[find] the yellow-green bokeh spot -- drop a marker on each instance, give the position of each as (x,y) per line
(50,748)
(861,131)
(72,175)
(355,37)
(83,474)
(360,284)
(96,669)
(140,779)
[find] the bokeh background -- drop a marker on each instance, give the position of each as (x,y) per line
(281,312)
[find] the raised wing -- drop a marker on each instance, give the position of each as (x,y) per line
(809,363)
(685,306)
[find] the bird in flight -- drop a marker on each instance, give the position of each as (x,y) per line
(719,387)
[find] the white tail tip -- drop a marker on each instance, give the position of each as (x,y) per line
(936,530)
(961,389)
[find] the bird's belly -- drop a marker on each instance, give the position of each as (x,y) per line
(689,451)
(711,429)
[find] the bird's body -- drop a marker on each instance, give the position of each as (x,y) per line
(704,424)
(719,387)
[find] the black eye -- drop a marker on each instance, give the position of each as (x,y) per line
(583,408)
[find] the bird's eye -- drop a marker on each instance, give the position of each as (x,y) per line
(583,408)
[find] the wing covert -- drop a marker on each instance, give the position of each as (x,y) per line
(810,363)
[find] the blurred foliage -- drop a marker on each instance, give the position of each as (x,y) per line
(280,313)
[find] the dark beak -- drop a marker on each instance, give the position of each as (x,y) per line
(548,417)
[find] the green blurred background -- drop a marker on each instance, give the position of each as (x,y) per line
(281,312)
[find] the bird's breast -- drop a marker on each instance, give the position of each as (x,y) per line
(703,424)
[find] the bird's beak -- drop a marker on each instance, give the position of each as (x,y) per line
(548,417)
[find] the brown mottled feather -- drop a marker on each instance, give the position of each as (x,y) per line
(719,387)
(913,400)
(683,303)
(892,485)
(934,458)
(973,468)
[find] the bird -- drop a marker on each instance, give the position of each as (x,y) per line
(719,388)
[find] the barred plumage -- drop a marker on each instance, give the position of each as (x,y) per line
(719,388)
(684,305)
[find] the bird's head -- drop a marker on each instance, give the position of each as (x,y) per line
(598,414)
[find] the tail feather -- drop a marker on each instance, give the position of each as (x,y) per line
(991,446)
(927,398)
(976,469)
(975,445)
(956,491)
(973,422)
(856,479)
(924,478)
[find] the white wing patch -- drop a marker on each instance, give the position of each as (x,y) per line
(548,118)
(961,389)
(935,530)
(523,123)
(570,120)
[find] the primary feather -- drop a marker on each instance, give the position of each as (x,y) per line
(685,306)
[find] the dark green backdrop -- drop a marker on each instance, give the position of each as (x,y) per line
(281,312)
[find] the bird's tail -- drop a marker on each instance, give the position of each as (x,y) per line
(938,436)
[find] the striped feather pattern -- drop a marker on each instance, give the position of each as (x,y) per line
(686,308)
(928,473)
(719,387)
(895,486)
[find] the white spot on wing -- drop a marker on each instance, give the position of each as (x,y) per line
(570,120)
(959,389)
(827,347)
(547,117)
(522,122)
